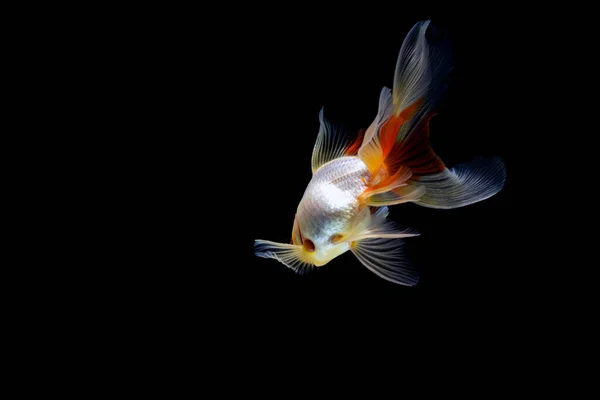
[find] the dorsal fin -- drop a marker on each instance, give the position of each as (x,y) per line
(332,142)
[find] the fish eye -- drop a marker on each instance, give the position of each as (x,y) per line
(336,238)
(309,245)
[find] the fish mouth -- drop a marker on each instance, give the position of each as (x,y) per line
(321,258)
(318,260)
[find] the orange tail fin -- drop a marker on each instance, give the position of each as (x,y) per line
(398,138)
(400,158)
(415,152)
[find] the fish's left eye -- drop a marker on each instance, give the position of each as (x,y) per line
(309,245)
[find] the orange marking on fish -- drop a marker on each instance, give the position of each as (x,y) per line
(416,152)
(353,147)
(390,129)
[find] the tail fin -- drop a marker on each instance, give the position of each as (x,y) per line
(396,147)
(465,184)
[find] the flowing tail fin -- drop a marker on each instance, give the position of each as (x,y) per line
(396,147)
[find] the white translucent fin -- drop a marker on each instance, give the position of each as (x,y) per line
(331,143)
(385,258)
(400,195)
(292,256)
(397,180)
(423,62)
(389,184)
(464,184)
(386,107)
(377,226)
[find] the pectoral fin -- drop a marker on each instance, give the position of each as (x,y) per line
(290,255)
(378,246)
(385,258)
(378,226)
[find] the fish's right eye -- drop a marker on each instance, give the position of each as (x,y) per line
(336,238)
(308,245)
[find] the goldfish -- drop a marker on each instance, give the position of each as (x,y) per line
(354,181)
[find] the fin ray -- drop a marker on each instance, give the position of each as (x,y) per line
(465,184)
(378,226)
(423,62)
(332,142)
(384,257)
(289,255)
(404,194)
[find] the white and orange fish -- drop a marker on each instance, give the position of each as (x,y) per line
(345,204)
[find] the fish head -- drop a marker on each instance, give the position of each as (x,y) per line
(323,227)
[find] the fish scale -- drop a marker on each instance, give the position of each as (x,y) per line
(330,201)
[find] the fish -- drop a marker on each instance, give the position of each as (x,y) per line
(345,206)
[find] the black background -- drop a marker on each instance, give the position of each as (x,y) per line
(199,122)
(225,114)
